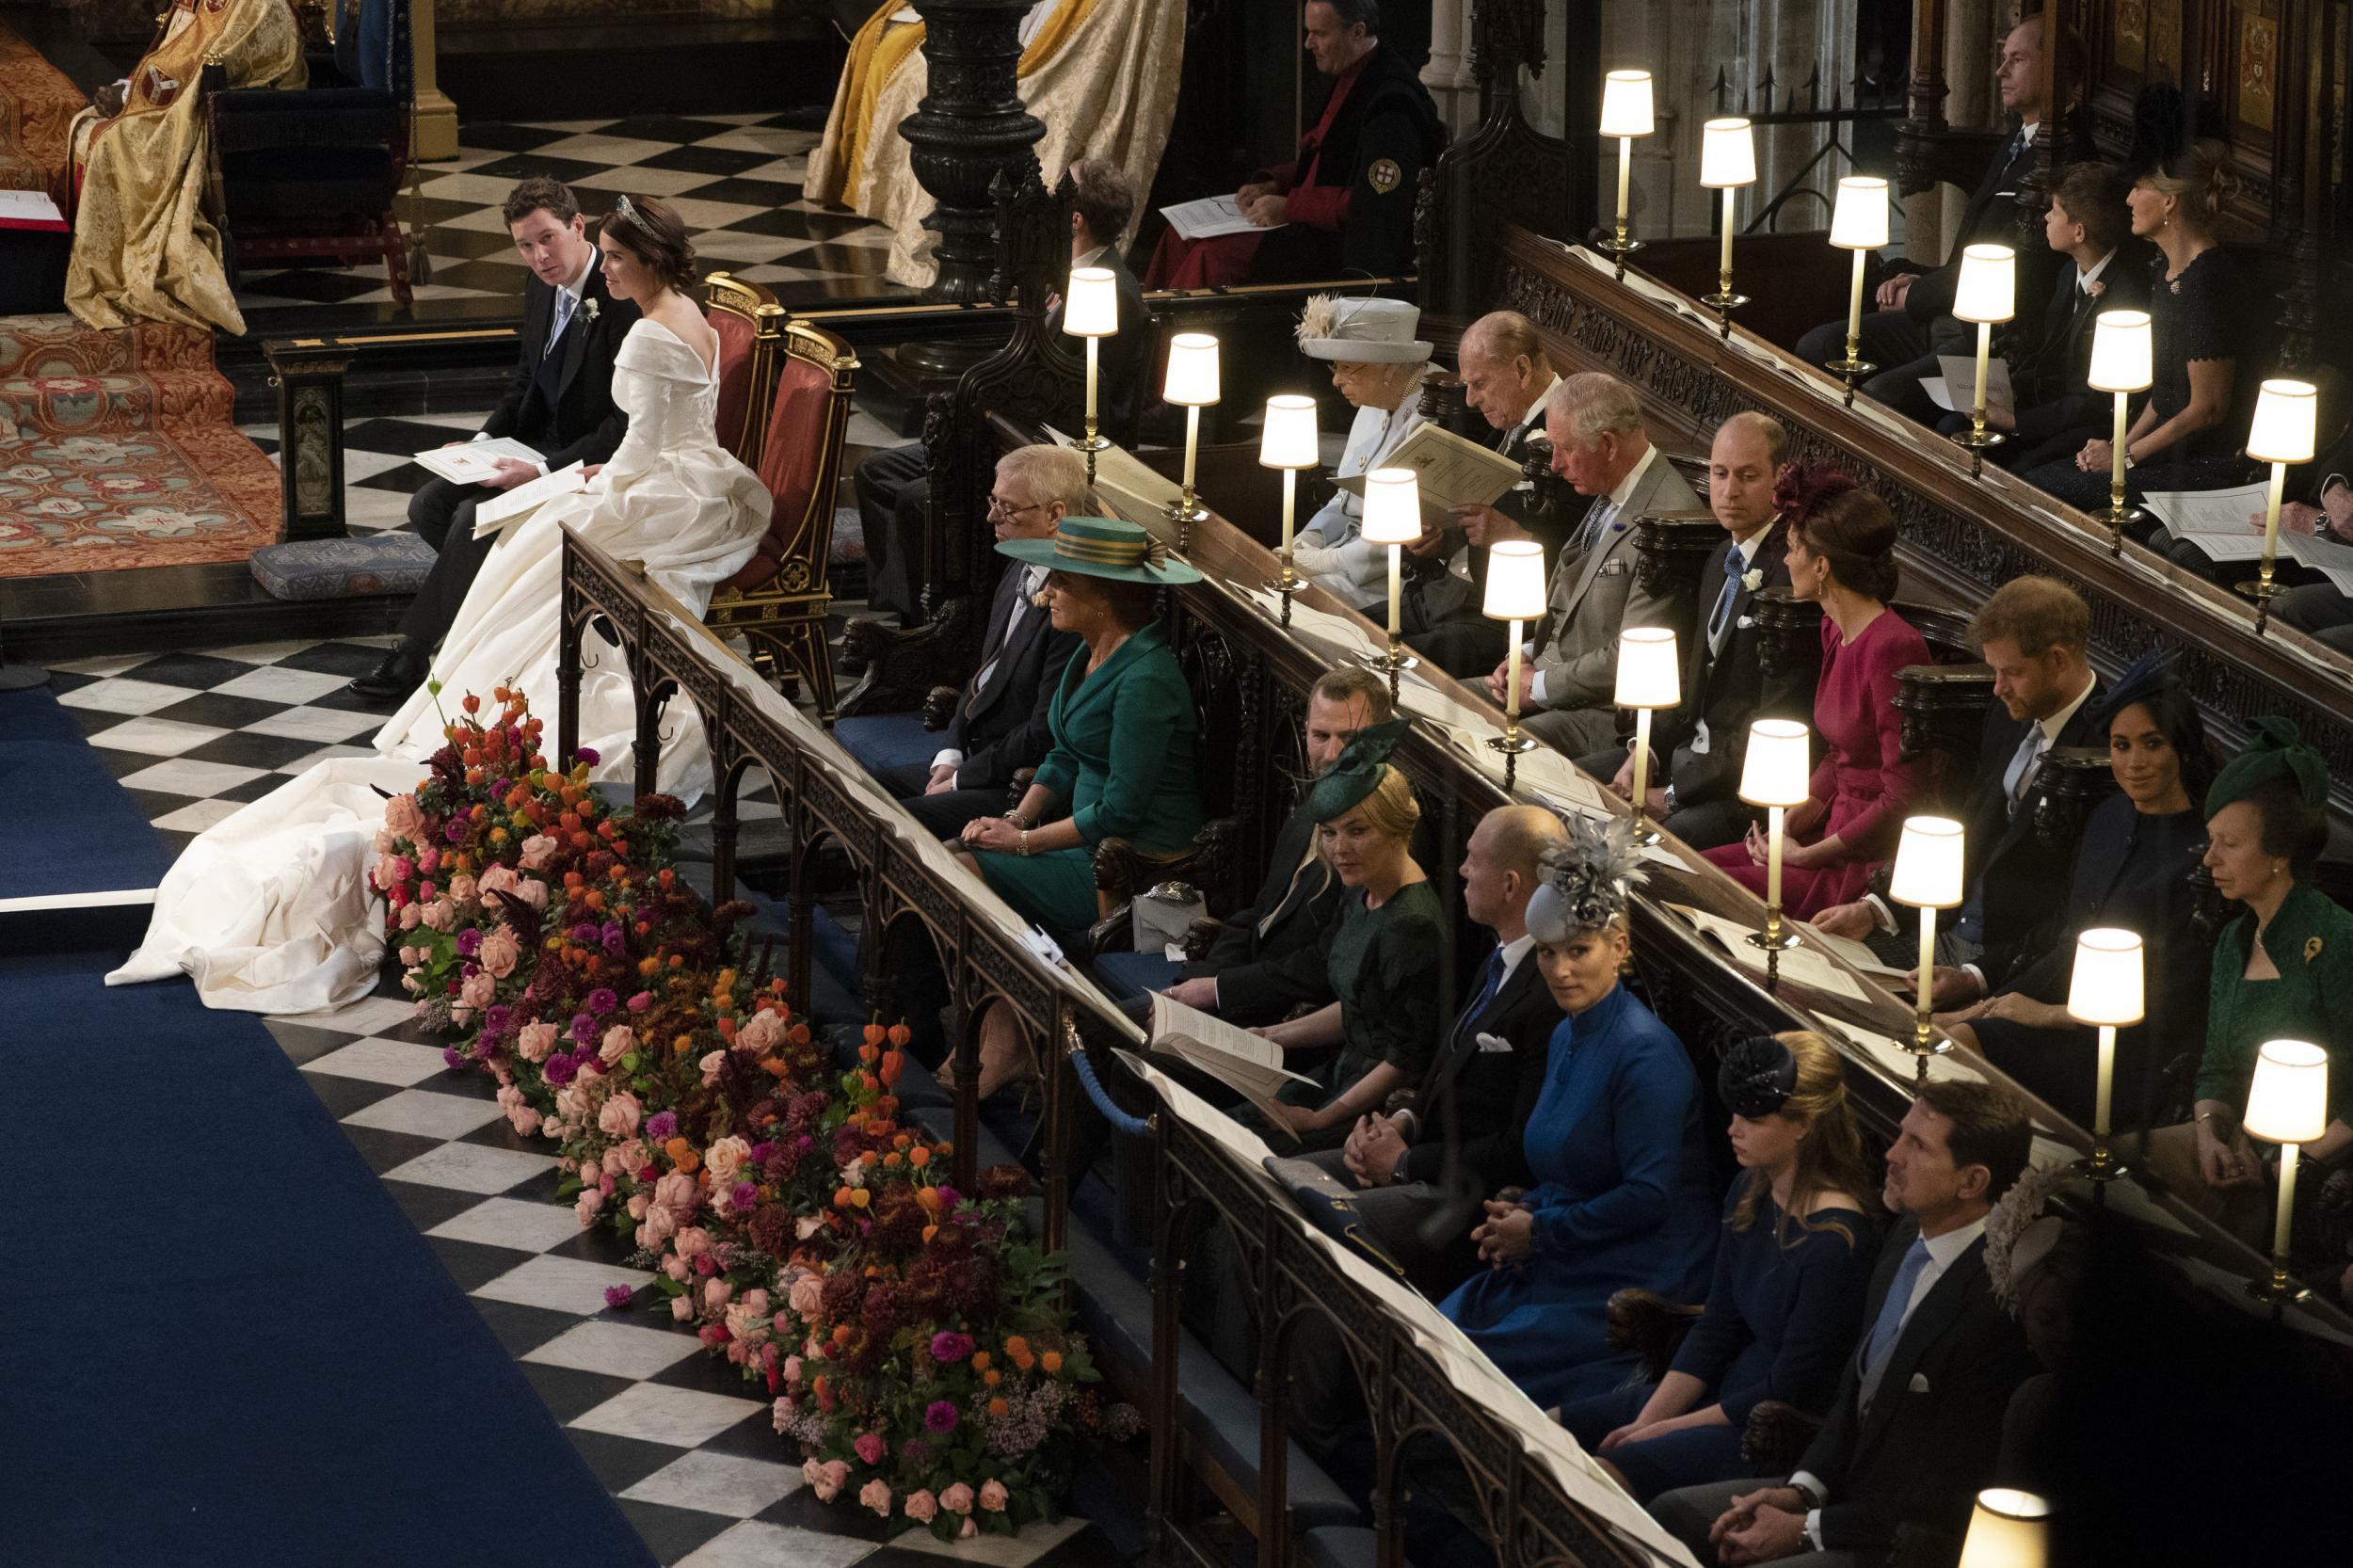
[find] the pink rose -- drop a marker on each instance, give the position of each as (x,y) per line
(814,1474)
(710,1065)
(589,1171)
(402,818)
(675,1267)
(441,914)
(534,1042)
(461,888)
(478,989)
(993,1495)
(410,916)
(381,875)
(536,850)
(726,1157)
(658,1226)
(681,1307)
(638,1203)
(875,1495)
(756,1301)
(429,859)
(590,1200)
(760,1034)
(972,1528)
(534,893)
(921,1506)
(500,953)
(675,1192)
(618,1042)
(624,1158)
(870,1447)
(807,1295)
(496,879)
(957,1498)
(832,1476)
(693,1242)
(621,1115)
(715,1295)
(791,1367)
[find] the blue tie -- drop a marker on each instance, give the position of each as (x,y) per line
(1721,616)
(1489,985)
(563,318)
(1885,1333)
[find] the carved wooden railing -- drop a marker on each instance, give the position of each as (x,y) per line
(1967,535)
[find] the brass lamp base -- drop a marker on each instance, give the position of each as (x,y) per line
(2263,590)
(1775,939)
(1091,446)
(2116,520)
(2282,1290)
(1644,833)
(1977,441)
(2100,1165)
(1285,582)
(1723,302)
(1620,248)
(1181,516)
(1514,743)
(1924,1044)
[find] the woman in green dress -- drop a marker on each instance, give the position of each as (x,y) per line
(1123,759)
(2283,971)
(1380,955)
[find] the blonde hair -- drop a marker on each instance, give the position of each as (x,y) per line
(2198,177)
(1830,1161)
(1391,808)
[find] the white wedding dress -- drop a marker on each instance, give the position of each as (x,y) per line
(270,910)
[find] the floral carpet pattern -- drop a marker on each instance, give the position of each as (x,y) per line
(118,449)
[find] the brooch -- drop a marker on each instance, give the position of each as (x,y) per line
(2311,949)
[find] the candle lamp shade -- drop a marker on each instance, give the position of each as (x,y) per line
(2285,418)
(1988,290)
(1516,581)
(2288,1100)
(2122,353)
(2107,985)
(1929,864)
(1392,506)
(2006,1530)
(1650,673)
(1626,104)
(1191,382)
(1090,305)
(1289,439)
(1858,219)
(1779,767)
(1727,154)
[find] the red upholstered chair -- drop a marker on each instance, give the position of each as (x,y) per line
(779,601)
(750,323)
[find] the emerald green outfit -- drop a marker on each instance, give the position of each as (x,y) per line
(1123,760)
(2310,943)
(1383,967)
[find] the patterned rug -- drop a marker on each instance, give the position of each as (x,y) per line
(120,449)
(37,108)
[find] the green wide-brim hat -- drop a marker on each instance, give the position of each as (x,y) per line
(1357,771)
(1103,547)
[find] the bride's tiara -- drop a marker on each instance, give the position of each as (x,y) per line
(621,209)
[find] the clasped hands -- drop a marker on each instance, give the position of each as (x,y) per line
(992,833)
(1760,1526)
(1375,1149)
(1508,1234)
(1262,204)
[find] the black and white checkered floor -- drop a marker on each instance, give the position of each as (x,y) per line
(735,179)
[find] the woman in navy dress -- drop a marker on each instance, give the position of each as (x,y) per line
(1787,1304)
(1614,1143)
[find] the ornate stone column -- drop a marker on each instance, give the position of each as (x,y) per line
(969,126)
(436,132)
(1448,74)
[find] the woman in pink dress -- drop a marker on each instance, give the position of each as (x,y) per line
(1842,555)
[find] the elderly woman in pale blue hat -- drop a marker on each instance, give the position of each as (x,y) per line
(1377,363)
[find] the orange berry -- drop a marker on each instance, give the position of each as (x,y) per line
(1016,1347)
(992,1378)
(842,1197)
(1051,1361)
(998,1407)
(980,1358)
(860,1197)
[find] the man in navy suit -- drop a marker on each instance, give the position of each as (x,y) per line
(559,403)
(1917,1421)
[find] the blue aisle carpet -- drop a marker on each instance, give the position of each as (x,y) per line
(220,1339)
(49,776)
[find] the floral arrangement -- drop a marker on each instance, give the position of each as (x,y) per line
(913,1340)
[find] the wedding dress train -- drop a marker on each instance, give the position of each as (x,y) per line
(270,910)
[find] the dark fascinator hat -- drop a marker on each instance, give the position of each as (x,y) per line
(1357,771)
(2150,675)
(1756,1077)
(1804,486)
(1585,882)
(2276,752)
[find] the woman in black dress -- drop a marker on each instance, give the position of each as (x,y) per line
(2187,436)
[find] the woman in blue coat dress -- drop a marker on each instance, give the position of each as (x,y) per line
(1622,1194)
(1787,1304)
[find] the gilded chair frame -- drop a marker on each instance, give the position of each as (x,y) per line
(724,291)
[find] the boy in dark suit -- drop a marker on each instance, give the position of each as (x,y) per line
(559,403)
(1917,1421)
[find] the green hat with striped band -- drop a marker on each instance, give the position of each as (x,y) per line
(1103,547)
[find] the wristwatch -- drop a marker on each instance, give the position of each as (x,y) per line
(1806,1495)
(1669,792)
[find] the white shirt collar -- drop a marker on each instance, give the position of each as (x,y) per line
(1535,410)
(1624,488)
(1755,543)
(2085,280)
(1513,950)
(2026,132)
(1946,1248)
(2057,722)
(1091,257)
(579,285)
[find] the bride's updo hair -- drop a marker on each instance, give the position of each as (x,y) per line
(652,231)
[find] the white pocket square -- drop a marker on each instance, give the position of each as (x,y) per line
(1745,622)
(1919,1383)
(1494,1042)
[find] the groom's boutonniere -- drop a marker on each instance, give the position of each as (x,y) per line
(588,309)
(1751,581)
(2095,288)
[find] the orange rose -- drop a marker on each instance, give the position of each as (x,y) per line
(1016,1347)
(919,1158)
(1051,1361)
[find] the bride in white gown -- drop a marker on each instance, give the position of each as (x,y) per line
(270,909)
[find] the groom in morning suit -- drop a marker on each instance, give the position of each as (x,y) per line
(1916,1424)
(559,403)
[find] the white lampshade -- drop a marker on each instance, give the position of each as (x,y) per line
(1858,222)
(2006,1530)
(1927,863)
(1727,154)
(1191,382)
(2106,986)
(2285,418)
(2288,1100)
(1988,290)
(2122,355)
(1649,672)
(1090,306)
(1516,581)
(1779,768)
(1392,506)
(1289,439)
(1626,104)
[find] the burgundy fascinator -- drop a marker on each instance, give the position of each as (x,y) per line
(1804,486)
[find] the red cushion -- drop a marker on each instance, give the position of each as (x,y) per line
(794,458)
(735,374)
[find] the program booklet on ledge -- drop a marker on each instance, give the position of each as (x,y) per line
(1448,470)
(1208,218)
(471,462)
(1250,1065)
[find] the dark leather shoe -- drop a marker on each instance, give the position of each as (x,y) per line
(401,673)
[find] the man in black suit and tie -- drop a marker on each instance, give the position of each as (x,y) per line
(1268,958)
(2034,632)
(893,488)
(1916,1424)
(559,403)
(1915,321)
(1696,793)
(1000,725)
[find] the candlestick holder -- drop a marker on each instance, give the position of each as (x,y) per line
(1093,444)
(1396,662)
(1775,939)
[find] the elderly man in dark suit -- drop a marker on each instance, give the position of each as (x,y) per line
(1917,1421)
(1725,687)
(559,403)
(894,490)
(1569,681)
